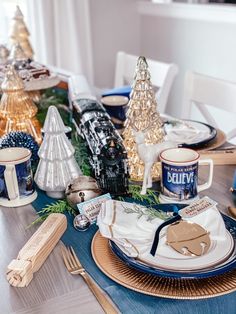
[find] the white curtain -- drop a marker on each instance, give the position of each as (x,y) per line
(60,34)
(3,25)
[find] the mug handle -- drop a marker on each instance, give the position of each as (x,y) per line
(11,182)
(206,185)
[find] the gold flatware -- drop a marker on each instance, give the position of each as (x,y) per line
(74,266)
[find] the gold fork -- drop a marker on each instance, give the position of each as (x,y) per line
(74,266)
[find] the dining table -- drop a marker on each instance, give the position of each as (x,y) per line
(54,290)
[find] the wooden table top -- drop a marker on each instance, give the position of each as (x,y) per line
(53,289)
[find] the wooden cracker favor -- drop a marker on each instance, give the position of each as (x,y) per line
(36,250)
(220,157)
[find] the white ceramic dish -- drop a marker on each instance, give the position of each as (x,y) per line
(219,251)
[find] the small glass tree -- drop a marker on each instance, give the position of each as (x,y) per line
(17,110)
(142,115)
(57,165)
(19,33)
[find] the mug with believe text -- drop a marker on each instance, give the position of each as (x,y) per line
(16,178)
(179,180)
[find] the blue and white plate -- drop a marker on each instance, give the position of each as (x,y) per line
(218,268)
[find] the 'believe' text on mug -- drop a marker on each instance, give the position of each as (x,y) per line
(179,180)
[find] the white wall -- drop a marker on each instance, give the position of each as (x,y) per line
(205,47)
(193,43)
(114,27)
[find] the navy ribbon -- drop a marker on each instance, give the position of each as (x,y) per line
(157,234)
(175,209)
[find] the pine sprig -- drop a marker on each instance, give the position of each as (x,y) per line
(58,207)
(81,155)
(149,213)
(150,198)
(55,97)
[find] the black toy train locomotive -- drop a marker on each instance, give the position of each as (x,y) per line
(108,156)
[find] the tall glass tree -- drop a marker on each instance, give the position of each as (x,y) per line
(142,115)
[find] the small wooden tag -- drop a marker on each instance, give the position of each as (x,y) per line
(188,238)
(197,207)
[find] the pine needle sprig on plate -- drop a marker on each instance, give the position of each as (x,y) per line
(149,213)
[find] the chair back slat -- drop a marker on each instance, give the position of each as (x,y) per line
(203,91)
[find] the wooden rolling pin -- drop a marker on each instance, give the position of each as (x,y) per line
(36,250)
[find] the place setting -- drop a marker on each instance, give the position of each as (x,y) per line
(181,248)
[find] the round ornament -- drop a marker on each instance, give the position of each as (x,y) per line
(81,189)
(81,222)
(21,139)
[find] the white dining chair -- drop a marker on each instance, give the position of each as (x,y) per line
(162,75)
(202,91)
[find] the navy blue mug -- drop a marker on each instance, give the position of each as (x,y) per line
(115,106)
(16,177)
(179,178)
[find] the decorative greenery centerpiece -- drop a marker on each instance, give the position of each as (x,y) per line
(58,98)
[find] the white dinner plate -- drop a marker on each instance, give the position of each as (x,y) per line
(188,133)
(217,253)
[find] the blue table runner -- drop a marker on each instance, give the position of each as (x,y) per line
(129,301)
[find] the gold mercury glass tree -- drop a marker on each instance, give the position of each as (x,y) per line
(142,115)
(17,110)
(19,33)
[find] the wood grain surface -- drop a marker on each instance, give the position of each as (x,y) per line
(53,289)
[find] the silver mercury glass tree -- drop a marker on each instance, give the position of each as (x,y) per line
(57,165)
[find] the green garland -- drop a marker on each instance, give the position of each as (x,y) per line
(150,197)
(81,154)
(59,99)
(54,97)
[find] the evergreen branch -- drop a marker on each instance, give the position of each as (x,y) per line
(53,97)
(149,213)
(81,155)
(150,198)
(58,207)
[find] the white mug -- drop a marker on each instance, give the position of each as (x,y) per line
(179,180)
(16,178)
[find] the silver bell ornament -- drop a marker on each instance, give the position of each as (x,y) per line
(81,222)
(81,189)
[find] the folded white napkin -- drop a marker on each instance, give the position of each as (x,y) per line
(184,133)
(132,227)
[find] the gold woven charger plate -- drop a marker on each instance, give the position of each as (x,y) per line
(219,140)
(148,284)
